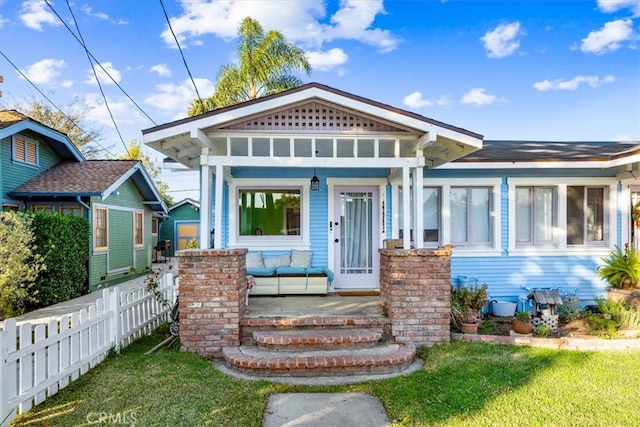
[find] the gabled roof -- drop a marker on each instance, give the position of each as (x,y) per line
(347,114)
(13,122)
(315,89)
(91,178)
(183,202)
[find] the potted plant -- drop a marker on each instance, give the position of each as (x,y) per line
(621,268)
(466,306)
(521,323)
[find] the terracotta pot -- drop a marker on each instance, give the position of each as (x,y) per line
(521,327)
(469,328)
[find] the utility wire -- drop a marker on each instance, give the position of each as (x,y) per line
(95,75)
(181,53)
(54,105)
(99,64)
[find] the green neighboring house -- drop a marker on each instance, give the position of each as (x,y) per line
(182,225)
(41,169)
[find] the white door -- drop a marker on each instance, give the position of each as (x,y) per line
(355,243)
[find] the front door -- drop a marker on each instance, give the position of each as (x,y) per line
(355,231)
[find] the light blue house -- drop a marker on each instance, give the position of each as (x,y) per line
(320,169)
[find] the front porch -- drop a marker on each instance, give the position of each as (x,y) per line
(313,306)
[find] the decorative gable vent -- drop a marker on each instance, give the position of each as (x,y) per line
(314,116)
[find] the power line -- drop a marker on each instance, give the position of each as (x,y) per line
(181,53)
(53,103)
(95,74)
(99,64)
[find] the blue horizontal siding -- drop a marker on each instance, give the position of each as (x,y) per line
(508,277)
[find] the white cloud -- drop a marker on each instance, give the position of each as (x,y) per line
(503,40)
(608,39)
(325,61)
(609,6)
(67,84)
(89,11)
(416,100)
(478,96)
(177,98)
(101,71)
(161,69)
(124,112)
(300,21)
(44,71)
(573,84)
(34,13)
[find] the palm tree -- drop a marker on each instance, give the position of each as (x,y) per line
(265,63)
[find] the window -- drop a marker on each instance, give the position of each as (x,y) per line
(25,150)
(430,214)
(154,226)
(585,215)
(42,208)
(100,229)
(138,235)
(11,207)
(470,215)
(535,215)
(269,212)
(71,210)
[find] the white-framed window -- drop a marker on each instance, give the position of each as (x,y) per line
(25,150)
(138,229)
(561,214)
(100,228)
(274,215)
(467,216)
(431,217)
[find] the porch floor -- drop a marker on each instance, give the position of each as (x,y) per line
(313,305)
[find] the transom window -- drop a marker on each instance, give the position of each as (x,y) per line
(25,150)
(269,212)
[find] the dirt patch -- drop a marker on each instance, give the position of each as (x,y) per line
(502,326)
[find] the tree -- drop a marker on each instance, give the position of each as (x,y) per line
(266,61)
(19,265)
(135,152)
(74,125)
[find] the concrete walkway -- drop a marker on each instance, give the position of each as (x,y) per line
(54,312)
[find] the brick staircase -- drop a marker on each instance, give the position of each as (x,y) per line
(318,346)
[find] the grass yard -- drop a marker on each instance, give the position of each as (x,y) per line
(461,384)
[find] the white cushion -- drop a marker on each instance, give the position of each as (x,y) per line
(254,260)
(300,259)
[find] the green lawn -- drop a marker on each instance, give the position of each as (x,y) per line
(460,384)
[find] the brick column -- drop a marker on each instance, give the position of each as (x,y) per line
(213,288)
(415,289)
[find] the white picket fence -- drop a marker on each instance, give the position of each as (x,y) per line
(39,360)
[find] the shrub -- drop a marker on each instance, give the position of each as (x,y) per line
(63,242)
(623,314)
(543,331)
(19,265)
(570,309)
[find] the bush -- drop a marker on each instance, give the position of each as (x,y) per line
(623,314)
(570,309)
(19,264)
(63,242)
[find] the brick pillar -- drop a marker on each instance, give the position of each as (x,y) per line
(213,288)
(415,289)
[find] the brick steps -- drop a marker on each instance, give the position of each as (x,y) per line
(383,359)
(317,339)
(317,346)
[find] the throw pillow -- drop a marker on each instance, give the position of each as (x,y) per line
(254,260)
(301,259)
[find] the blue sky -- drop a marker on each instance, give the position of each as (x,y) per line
(523,70)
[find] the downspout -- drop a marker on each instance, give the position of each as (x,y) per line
(79,200)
